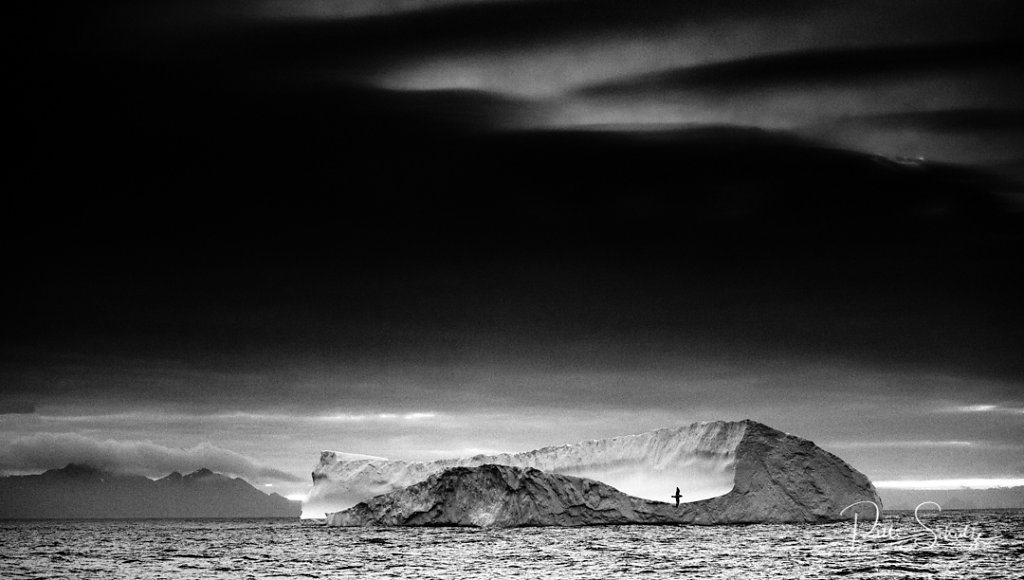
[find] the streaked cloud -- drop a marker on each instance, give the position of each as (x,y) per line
(340,9)
(559,46)
(984,408)
(559,66)
(977,408)
(816,67)
(949,103)
(51,450)
(377,417)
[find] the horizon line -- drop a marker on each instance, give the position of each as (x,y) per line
(951,484)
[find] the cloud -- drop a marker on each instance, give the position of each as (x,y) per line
(552,49)
(17,408)
(50,450)
(984,408)
(949,121)
(375,417)
(914,105)
(888,87)
(814,67)
(342,9)
(977,408)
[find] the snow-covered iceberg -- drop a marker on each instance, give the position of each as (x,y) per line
(727,471)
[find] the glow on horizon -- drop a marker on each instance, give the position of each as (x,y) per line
(297,496)
(965,483)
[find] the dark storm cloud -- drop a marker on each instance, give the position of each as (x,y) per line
(317,68)
(488,26)
(312,28)
(469,329)
(950,121)
(238,219)
(342,9)
(623,270)
(47,451)
(553,55)
(988,137)
(405,43)
(16,408)
(863,99)
(824,67)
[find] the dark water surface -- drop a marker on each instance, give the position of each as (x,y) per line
(969,544)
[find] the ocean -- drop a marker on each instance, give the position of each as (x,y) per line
(955,544)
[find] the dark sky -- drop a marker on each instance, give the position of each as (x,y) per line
(239,232)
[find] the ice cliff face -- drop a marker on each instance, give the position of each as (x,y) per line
(698,458)
(778,478)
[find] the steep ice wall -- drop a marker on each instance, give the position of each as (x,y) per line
(698,458)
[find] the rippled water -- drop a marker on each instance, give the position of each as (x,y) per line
(243,549)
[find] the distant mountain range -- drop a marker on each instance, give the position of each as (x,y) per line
(999,498)
(81,491)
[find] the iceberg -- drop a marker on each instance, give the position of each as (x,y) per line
(728,472)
